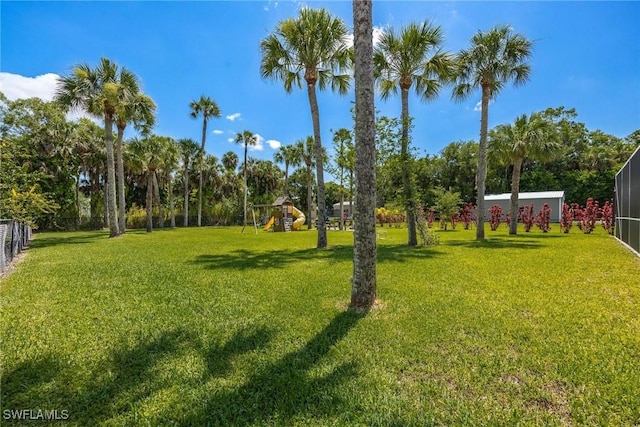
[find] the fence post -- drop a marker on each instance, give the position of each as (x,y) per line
(3,235)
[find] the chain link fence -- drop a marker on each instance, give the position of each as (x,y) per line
(15,237)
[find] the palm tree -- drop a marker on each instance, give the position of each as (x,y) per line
(495,58)
(188,149)
(170,153)
(531,137)
(146,159)
(313,48)
(97,91)
(289,155)
(307,148)
(411,58)
(207,108)
(363,288)
(139,109)
(246,138)
(343,145)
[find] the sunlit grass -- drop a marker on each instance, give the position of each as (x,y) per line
(210,326)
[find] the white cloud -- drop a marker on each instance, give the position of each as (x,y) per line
(233,117)
(274,144)
(218,131)
(478,106)
(377,34)
(15,86)
(230,139)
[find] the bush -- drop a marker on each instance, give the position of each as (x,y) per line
(467,214)
(566,220)
(543,218)
(427,237)
(607,217)
(587,216)
(495,216)
(527,218)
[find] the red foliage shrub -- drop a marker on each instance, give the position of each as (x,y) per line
(466,215)
(495,216)
(527,218)
(454,220)
(543,218)
(587,216)
(431,217)
(607,217)
(566,221)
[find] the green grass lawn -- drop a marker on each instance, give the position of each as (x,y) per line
(210,326)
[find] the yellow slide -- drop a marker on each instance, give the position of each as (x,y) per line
(300,218)
(269,224)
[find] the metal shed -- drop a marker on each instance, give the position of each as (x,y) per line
(554,199)
(628,203)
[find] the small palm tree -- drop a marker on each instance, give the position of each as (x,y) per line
(411,58)
(246,138)
(188,149)
(307,148)
(495,58)
(312,47)
(146,159)
(207,108)
(528,137)
(289,155)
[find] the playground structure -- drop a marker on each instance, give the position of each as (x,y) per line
(284,216)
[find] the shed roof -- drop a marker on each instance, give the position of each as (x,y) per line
(282,200)
(531,195)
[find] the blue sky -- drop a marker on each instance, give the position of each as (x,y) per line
(586,56)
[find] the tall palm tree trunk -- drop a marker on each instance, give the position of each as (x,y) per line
(122,220)
(286,179)
(201,179)
(156,193)
(315,117)
(244,181)
(111,178)
(149,202)
(171,203)
(515,190)
(409,201)
(309,197)
(363,290)
(186,195)
(481,176)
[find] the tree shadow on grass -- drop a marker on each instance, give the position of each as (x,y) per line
(277,393)
(498,242)
(116,387)
(243,259)
(41,241)
(122,381)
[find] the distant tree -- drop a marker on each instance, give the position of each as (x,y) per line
(246,139)
(207,108)
(146,160)
(188,149)
(495,58)
(290,155)
(411,58)
(343,149)
(312,47)
(531,137)
(447,204)
(307,148)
